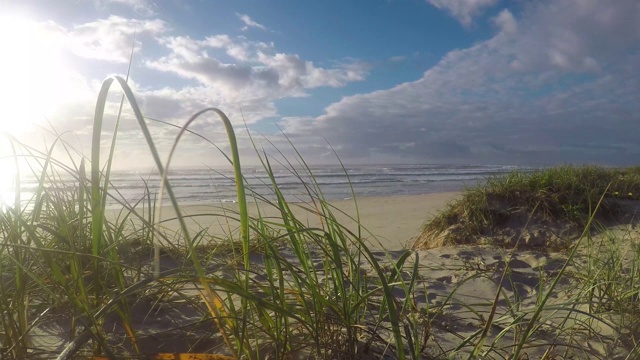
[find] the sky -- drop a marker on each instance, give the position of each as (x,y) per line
(375,81)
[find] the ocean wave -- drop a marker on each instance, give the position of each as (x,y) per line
(367,180)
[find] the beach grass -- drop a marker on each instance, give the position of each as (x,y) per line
(586,199)
(282,289)
(62,254)
(564,195)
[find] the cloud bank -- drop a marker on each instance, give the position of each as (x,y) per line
(556,84)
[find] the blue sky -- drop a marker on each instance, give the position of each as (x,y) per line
(382,81)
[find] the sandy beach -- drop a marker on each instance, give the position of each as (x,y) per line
(457,287)
(389,222)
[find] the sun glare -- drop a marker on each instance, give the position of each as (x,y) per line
(32,74)
(34,85)
(7,176)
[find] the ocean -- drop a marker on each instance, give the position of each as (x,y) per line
(206,185)
(197,186)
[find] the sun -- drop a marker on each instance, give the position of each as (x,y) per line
(35,86)
(32,73)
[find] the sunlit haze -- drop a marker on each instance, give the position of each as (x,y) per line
(33,72)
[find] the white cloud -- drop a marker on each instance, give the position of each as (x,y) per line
(464,10)
(218,41)
(249,23)
(506,22)
(257,71)
(294,73)
(108,39)
(241,77)
(560,83)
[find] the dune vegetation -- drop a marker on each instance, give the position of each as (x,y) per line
(563,199)
(78,283)
(68,267)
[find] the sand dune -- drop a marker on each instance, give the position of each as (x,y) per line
(458,289)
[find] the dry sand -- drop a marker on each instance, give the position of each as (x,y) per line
(394,221)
